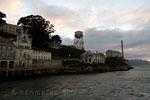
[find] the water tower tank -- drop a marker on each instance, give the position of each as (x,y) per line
(78,40)
(78,34)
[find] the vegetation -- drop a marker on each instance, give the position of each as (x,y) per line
(56,39)
(2,15)
(75,63)
(40,29)
(70,52)
(115,61)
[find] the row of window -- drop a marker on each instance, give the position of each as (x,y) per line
(7,48)
(98,60)
(10,31)
(9,28)
(43,53)
(42,57)
(99,57)
(7,56)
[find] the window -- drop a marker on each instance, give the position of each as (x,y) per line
(3,47)
(10,48)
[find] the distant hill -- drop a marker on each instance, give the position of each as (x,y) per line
(137,62)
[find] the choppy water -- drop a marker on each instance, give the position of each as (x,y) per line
(126,85)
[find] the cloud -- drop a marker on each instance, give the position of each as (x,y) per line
(67,41)
(10,7)
(135,41)
(104,22)
(137,18)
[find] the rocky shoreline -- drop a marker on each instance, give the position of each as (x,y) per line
(90,69)
(38,72)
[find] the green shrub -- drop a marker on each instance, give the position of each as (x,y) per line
(115,61)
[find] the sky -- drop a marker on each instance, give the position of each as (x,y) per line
(104,22)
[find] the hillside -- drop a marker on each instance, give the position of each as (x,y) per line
(137,62)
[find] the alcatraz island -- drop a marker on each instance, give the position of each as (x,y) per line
(29,49)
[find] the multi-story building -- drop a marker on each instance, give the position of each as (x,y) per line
(89,57)
(7,53)
(11,29)
(111,53)
(99,58)
(24,52)
(19,53)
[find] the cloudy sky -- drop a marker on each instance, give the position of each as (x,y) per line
(104,22)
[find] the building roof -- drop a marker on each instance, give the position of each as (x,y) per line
(113,51)
(90,53)
(6,41)
(101,54)
(87,53)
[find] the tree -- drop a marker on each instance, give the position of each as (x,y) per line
(56,39)
(70,51)
(2,15)
(38,28)
(115,61)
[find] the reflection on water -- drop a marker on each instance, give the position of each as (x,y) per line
(126,85)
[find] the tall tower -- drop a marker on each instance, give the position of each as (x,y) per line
(122,49)
(78,40)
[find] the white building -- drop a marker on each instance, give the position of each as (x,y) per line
(37,54)
(89,57)
(99,58)
(111,53)
(42,59)
(24,41)
(24,52)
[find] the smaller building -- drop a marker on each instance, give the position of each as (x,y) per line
(43,55)
(7,53)
(111,53)
(42,59)
(99,58)
(90,58)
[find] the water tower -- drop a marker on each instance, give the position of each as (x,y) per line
(78,40)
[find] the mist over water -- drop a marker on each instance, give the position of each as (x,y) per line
(121,85)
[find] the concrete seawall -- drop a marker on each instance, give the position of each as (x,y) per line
(47,63)
(45,71)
